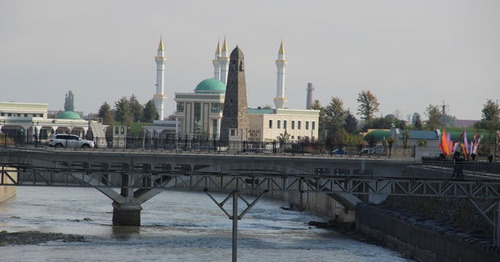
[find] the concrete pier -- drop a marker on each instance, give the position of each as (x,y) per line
(127,214)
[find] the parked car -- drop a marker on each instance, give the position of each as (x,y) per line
(67,140)
(339,152)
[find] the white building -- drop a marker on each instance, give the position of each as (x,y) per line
(200,113)
(29,122)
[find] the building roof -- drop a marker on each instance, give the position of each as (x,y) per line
(422,134)
(464,122)
(378,134)
(69,115)
(261,111)
(211,85)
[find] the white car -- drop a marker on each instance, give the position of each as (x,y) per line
(67,140)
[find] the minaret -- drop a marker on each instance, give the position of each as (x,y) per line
(309,99)
(159,97)
(224,62)
(217,62)
(280,100)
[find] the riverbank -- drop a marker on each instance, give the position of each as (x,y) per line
(35,237)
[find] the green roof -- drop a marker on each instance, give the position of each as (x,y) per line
(210,85)
(260,111)
(69,115)
(378,134)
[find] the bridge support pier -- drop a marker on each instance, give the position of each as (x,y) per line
(234,216)
(126,214)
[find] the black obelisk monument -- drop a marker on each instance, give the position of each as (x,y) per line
(235,114)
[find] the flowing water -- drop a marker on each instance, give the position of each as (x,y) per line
(176,226)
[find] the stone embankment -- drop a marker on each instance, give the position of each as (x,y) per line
(421,238)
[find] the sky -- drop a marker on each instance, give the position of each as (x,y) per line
(409,54)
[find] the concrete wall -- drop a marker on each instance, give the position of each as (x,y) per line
(420,239)
(7,192)
(318,203)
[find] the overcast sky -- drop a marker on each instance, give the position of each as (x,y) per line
(408,53)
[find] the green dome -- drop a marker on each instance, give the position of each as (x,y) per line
(211,85)
(69,115)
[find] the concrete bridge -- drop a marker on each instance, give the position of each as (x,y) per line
(141,175)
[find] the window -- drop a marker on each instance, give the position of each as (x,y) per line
(284,124)
(293,137)
(3,114)
(180,107)
(25,115)
(298,137)
(293,124)
(270,124)
(298,125)
(307,125)
(313,125)
(197,118)
(215,108)
(278,125)
(40,115)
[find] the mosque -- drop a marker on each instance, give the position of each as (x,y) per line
(199,114)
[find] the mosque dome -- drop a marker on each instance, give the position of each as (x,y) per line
(211,85)
(69,115)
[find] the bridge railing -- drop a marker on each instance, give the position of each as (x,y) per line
(304,147)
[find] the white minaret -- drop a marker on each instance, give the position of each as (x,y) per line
(280,100)
(159,97)
(224,62)
(216,62)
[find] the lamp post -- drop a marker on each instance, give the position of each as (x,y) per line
(4,134)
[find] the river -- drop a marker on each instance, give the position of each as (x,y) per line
(176,226)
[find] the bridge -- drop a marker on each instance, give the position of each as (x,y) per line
(142,174)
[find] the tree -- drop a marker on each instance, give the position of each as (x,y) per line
(322,121)
(418,122)
(123,112)
(106,114)
(69,102)
(136,108)
(368,105)
(150,112)
(351,123)
(335,116)
(491,111)
(434,117)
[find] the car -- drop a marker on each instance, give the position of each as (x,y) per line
(68,140)
(339,152)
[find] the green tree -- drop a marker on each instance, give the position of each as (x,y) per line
(491,111)
(351,123)
(123,112)
(322,119)
(335,116)
(106,114)
(434,117)
(368,105)
(136,108)
(418,122)
(150,113)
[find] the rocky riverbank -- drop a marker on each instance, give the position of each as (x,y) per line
(35,237)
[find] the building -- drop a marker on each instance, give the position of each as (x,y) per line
(299,124)
(199,113)
(29,122)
